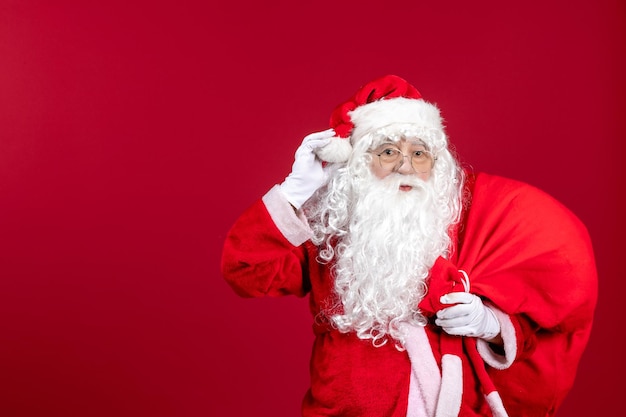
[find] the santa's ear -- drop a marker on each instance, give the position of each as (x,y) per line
(337,150)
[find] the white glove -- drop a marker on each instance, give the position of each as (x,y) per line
(467,317)
(307,173)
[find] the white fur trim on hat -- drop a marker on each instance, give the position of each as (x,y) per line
(381,113)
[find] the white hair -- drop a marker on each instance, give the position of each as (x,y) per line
(383,241)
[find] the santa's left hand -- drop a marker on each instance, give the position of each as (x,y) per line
(467,317)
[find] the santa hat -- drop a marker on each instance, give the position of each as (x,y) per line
(381,103)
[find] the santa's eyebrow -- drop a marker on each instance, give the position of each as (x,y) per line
(417,141)
(387,143)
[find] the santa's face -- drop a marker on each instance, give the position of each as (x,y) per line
(409,157)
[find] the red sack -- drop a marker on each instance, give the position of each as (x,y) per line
(532,258)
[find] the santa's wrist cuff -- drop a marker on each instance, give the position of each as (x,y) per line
(293,225)
(509,339)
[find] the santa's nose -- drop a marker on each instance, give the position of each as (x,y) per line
(405,167)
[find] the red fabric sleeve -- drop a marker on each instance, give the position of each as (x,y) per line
(257,260)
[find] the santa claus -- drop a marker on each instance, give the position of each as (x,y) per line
(434,291)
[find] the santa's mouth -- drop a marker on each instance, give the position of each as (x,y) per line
(405,187)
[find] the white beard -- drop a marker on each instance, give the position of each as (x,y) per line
(383,257)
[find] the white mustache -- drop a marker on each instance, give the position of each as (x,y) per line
(396,180)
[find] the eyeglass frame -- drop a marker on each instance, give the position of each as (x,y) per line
(398,164)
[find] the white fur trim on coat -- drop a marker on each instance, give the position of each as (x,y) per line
(509,338)
(451,393)
(425,381)
(293,226)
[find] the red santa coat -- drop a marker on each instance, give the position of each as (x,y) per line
(526,254)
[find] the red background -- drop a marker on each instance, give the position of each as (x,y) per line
(132,134)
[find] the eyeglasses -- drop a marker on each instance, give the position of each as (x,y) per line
(390,158)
